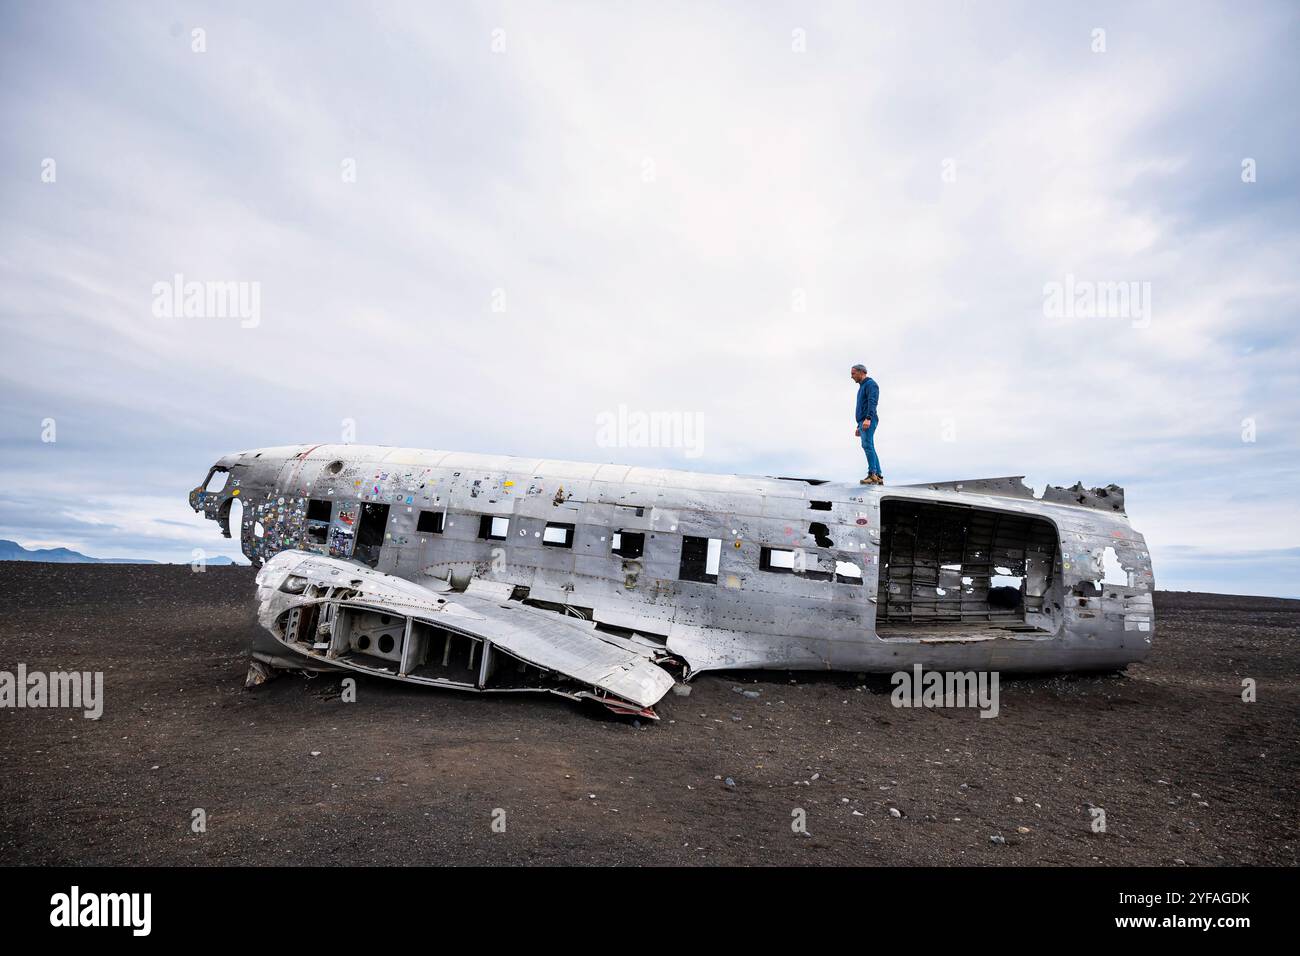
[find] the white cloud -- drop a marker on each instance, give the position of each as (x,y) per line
(776,175)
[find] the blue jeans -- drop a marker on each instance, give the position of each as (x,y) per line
(869,446)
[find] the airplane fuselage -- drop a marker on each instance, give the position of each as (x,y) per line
(725,571)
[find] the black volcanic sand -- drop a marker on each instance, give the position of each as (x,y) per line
(1184,770)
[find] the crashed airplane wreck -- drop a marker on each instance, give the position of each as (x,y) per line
(609,582)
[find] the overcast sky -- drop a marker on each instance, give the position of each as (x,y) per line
(481,227)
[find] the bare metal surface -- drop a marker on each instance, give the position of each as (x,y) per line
(811,613)
(558,643)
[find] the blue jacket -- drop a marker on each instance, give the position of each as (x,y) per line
(868,396)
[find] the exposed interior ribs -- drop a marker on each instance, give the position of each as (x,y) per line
(948,570)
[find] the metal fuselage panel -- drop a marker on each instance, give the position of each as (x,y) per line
(371,503)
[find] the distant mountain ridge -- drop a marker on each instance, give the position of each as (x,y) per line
(13,551)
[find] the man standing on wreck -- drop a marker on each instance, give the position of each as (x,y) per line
(866,419)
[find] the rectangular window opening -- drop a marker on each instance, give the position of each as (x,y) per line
(558,535)
(776,559)
(628,544)
(372,525)
(700,559)
(430,522)
(805,563)
(317,525)
(493,527)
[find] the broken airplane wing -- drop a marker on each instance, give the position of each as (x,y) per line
(325,611)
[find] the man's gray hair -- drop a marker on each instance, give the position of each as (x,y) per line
(859,368)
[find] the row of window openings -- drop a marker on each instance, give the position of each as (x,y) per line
(700,556)
(628,544)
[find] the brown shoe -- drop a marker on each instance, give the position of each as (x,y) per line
(869,480)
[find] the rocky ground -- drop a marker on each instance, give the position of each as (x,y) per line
(1185,771)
